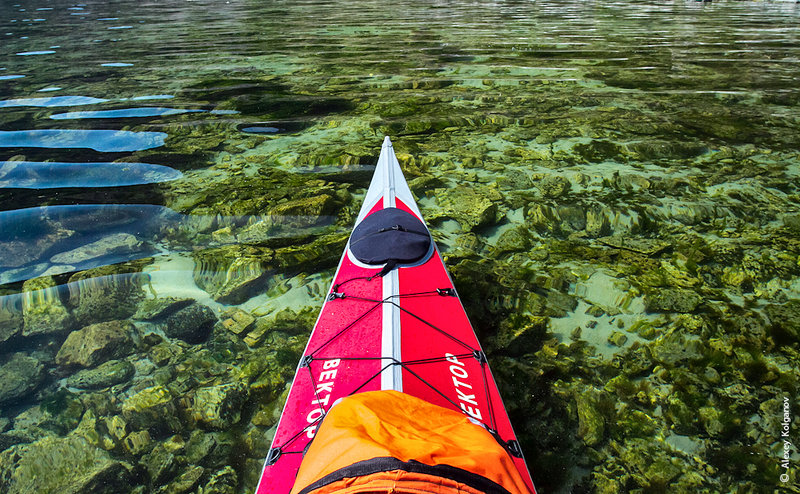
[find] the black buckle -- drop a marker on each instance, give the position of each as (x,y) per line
(273,455)
(335,295)
(514,448)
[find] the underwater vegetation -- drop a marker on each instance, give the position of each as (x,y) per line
(618,208)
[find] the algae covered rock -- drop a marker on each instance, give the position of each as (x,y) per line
(157,308)
(554,186)
(591,423)
(63,411)
(617,339)
(192,324)
(303,212)
(185,482)
(218,407)
(68,465)
(103,294)
(223,481)
(42,308)
(160,464)
(105,375)
(521,336)
(513,240)
(471,207)
(97,343)
(232,274)
(11,323)
(237,321)
(212,449)
(152,407)
(785,320)
(657,149)
(672,300)
(20,375)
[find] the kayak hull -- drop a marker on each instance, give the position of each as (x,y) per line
(405,330)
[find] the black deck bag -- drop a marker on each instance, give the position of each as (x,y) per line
(392,237)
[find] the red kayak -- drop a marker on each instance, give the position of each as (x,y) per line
(392,320)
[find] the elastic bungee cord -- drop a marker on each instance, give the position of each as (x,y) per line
(511,446)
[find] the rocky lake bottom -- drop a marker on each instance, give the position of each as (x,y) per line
(618,207)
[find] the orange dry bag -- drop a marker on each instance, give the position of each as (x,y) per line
(391,442)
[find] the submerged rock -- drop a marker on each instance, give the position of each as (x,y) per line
(472,207)
(513,240)
(97,343)
(646,246)
(185,482)
(20,375)
(785,320)
(617,339)
(212,449)
(553,186)
(105,375)
(20,251)
(157,308)
(138,442)
(103,295)
(218,407)
(591,424)
(222,482)
(160,464)
(42,308)
(152,407)
(232,274)
(11,323)
(237,321)
(115,244)
(67,465)
(520,337)
(303,212)
(192,324)
(672,300)
(63,411)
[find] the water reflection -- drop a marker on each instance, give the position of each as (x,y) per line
(123,113)
(52,101)
(100,140)
(39,175)
(52,240)
(14,307)
(40,52)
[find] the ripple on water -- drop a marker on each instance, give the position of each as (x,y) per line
(51,101)
(60,239)
(40,52)
(108,141)
(39,175)
(123,113)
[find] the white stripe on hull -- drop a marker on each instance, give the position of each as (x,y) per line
(391,377)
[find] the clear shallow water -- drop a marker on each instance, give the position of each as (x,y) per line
(614,185)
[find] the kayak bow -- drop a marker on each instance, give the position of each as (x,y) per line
(392,320)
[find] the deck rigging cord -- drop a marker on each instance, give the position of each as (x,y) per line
(512,446)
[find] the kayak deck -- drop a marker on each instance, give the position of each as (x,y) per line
(406,331)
